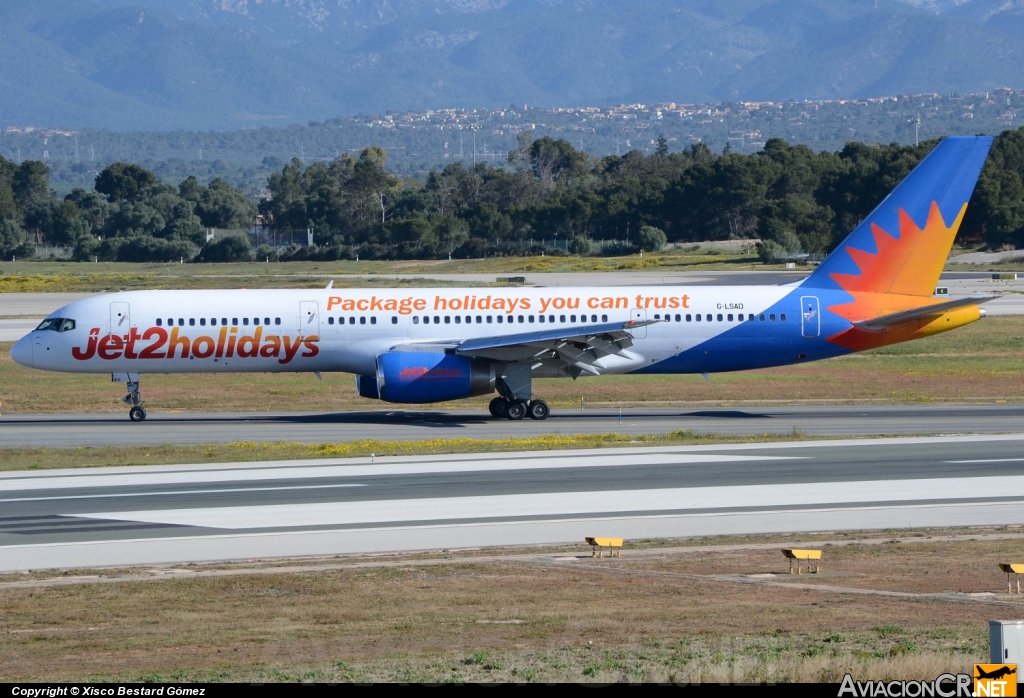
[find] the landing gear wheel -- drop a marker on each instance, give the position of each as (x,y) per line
(137,414)
(516,410)
(539,410)
(499,407)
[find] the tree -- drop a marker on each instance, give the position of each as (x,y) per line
(31,183)
(661,150)
(650,239)
(12,239)
(228,249)
(124,181)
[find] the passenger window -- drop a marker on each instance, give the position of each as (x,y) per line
(593,318)
(330,320)
(352,320)
(234,321)
(531,318)
(266,321)
(542,319)
(170,322)
(479,319)
(224,321)
(415,319)
(277,321)
(437,320)
(490,319)
(245,321)
(561,318)
(362,319)
(458,320)
(761,317)
(782,317)
(698,317)
(447,319)
(373,320)
(729,318)
(469,319)
(771,317)
(657,317)
(572,318)
(719,317)
(191,322)
(159,322)
(688,318)
(709,317)
(551,318)
(394,319)
(202,321)
(511,318)
(604,318)
(521,319)
(500,319)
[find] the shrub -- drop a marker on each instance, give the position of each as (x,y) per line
(229,249)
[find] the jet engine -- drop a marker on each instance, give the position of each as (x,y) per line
(420,377)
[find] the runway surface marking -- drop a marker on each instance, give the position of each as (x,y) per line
(21,481)
(160,494)
(986,460)
(576,503)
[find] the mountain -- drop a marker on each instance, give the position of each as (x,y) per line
(216,64)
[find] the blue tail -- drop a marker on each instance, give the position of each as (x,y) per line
(902,246)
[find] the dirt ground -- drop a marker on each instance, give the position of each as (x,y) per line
(695,610)
(980,362)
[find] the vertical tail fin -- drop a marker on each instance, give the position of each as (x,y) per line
(902,246)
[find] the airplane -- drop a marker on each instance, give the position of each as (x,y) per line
(433,345)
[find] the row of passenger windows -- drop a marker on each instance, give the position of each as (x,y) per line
(447,319)
(722,318)
(213,321)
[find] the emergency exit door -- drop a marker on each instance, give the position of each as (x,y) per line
(309,320)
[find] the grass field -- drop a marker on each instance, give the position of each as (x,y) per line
(55,276)
(717,610)
(248,451)
(981,362)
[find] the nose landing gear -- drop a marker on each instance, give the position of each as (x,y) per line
(136,412)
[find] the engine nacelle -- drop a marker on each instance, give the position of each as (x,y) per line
(419,377)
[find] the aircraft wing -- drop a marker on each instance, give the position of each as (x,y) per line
(883,321)
(578,349)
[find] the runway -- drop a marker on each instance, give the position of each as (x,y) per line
(73,430)
(175,514)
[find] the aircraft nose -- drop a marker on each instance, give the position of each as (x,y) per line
(22,351)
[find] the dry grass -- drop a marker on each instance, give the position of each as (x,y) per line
(979,362)
(248,451)
(652,616)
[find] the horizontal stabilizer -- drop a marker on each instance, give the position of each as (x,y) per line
(880,323)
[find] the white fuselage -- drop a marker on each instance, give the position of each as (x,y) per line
(346,329)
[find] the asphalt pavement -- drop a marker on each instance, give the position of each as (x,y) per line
(73,430)
(111,516)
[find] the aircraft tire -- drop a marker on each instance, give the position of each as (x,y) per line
(137,414)
(498,407)
(539,410)
(516,410)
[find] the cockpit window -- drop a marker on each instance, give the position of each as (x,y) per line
(56,324)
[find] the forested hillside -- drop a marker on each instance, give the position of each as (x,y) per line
(790,197)
(164,64)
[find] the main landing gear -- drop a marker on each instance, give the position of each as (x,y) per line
(137,412)
(517,409)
